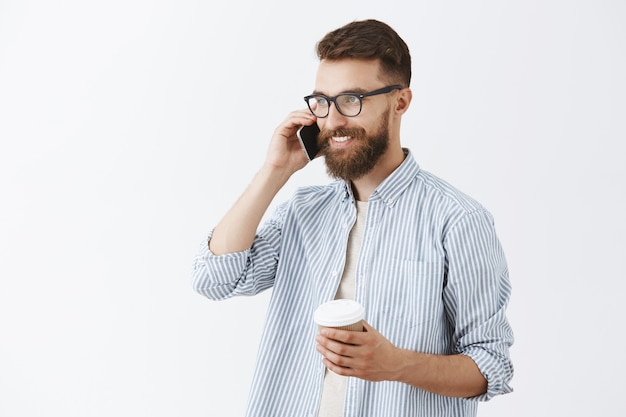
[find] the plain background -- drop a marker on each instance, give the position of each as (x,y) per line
(129,127)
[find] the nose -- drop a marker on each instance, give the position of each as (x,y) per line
(334,119)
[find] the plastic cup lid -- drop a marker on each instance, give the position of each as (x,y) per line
(339,313)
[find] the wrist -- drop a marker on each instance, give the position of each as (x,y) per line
(275,175)
(410,363)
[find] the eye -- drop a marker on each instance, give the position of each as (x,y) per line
(321,101)
(349,100)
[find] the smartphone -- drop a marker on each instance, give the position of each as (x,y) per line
(307,135)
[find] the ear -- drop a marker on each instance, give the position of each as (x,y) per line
(404,100)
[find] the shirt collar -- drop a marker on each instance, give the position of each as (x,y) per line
(395,184)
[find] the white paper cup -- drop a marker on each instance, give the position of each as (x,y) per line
(340,314)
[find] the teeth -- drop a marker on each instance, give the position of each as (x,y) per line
(341,139)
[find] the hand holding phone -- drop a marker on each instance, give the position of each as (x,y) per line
(307,135)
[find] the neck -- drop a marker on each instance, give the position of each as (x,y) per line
(365,186)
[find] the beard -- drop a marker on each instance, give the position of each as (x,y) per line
(361,157)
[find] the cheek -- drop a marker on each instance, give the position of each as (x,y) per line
(373,120)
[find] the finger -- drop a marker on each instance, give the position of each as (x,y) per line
(339,370)
(337,347)
(337,360)
(298,118)
(368,328)
(343,336)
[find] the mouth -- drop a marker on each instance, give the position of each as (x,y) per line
(341,139)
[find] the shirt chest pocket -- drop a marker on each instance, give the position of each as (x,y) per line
(410,293)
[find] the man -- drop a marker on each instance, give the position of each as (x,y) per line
(420,256)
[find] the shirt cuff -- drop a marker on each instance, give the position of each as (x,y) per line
(216,276)
(497,370)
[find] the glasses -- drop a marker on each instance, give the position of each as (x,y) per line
(348,104)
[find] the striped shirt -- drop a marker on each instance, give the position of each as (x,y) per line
(431,275)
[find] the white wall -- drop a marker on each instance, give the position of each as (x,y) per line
(127,128)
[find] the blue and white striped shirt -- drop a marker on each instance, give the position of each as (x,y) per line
(431,275)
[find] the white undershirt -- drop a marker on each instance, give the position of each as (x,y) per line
(334,390)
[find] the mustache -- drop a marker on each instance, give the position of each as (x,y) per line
(325,134)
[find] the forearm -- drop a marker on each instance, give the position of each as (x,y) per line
(236,231)
(369,355)
(450,375)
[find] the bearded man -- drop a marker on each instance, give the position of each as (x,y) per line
(421,257)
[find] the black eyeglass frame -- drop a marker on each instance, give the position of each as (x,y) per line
(360,96)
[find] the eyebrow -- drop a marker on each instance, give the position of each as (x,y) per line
(349,91)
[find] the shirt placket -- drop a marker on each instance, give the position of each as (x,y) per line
(347,211)
(355,386)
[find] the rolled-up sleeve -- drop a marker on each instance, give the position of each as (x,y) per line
(248,272)
(476,296)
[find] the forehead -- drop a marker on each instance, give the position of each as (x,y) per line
(338,76)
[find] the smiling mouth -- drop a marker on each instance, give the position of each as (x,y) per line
(341,139)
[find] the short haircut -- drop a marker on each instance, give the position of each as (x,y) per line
(369,40)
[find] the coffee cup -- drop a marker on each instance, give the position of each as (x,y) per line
(340,314)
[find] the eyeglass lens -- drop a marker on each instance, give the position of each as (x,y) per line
(348,104)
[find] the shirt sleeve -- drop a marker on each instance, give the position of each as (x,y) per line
(476,296)
(248,272)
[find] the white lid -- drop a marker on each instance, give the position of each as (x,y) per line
(339,313)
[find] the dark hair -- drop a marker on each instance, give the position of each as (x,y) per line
(369,40)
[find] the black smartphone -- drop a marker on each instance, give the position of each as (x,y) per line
(307,135)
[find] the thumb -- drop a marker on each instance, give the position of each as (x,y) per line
(368,328)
